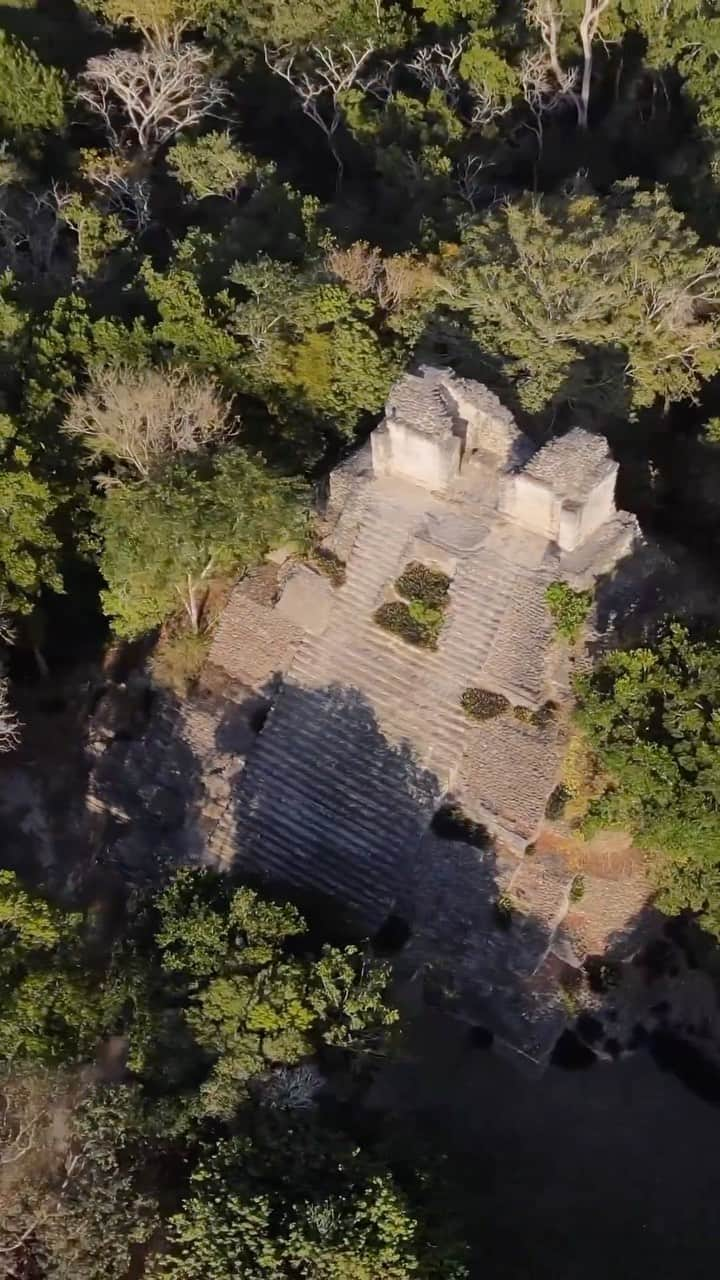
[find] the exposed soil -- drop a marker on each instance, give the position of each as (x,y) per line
(610,854)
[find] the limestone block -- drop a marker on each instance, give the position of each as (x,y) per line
(306,600)
(427,458)
(532,503)
(570,532)
(460,534)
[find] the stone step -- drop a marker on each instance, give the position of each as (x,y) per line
(376,810)
(293,744)
(385,684)
(360,894)
(301,822)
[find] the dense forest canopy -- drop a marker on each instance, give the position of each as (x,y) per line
(284,205)
(226,226)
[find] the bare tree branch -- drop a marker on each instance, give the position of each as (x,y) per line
(9,723)
(138,418)
(164,87)
(319,78)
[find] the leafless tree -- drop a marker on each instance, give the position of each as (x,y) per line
(436,67)
(9,723)
(158,90)
(589,26)
(30,236)
(358,266)
(292,1088)
(319,77)
(542,91)
(139,418)
(123,185)
(392,281)
(470,180)
(547,17)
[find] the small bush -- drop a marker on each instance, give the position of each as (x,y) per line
(396,617)
(179,658)
(569,609)
(419,582)
(555,807)
(577,888)
(328,563)
(503,910)
(545,715)
(524,714)
(539,719)
(451,823)
(483,704)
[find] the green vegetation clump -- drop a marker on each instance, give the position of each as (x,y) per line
(651,716)
(329,564)
(577,888)
(419,582)
(483,704)
(569,609)
(179,659)
(419,617)
(415,622)
(539,719)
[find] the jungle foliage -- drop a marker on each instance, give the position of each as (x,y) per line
(186,1075)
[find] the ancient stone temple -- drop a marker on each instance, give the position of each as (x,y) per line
(366,738)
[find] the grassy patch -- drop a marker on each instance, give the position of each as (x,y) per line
(179,658)
(411,625)
(568,609)
(418,617)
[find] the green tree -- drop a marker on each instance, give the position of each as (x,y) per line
(53,1007)
(301,1201)
(77,1153)
(163,542)
(29,547)
(211,165)
(255,1002)
(651,715)
(32,96)
(602,303)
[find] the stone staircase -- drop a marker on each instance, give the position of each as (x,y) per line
(367,733)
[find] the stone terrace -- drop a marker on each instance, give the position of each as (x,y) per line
(366,737)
